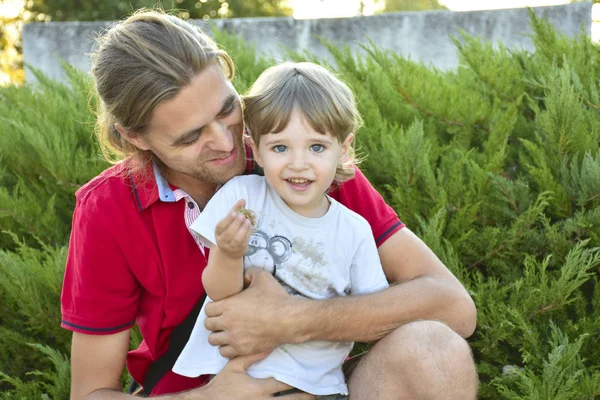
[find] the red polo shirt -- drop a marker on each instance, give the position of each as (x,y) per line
(132,260)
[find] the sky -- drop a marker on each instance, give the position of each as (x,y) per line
(348,8)
(464,5)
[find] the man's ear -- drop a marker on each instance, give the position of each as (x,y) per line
(132,137)
(255,152)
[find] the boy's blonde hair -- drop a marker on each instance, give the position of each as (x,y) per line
(325,101)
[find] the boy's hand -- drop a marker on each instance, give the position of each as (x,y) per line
(233,232)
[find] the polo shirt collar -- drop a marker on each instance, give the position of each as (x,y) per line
(150,187)
(165,193)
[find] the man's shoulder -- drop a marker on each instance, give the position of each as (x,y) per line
(112,186)
(113,177)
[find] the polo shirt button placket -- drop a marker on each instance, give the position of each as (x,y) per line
(191,205)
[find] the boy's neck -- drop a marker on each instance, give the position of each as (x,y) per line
(313,212)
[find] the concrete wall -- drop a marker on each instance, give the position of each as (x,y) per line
(424,36)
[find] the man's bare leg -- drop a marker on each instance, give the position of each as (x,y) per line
(419,361)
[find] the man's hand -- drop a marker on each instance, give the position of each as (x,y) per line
(232,383)
(253,321)
(233,232)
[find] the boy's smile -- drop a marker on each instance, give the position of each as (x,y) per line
(299,184)
(300,164)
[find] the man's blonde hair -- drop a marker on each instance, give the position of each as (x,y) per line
(325,101)
(140,63)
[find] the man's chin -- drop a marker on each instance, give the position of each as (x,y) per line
(223,174)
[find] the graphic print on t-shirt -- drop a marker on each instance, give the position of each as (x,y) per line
(267,253)
(300,264)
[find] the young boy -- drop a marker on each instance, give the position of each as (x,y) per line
(301,119)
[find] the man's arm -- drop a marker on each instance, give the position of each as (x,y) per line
(97,362)
(422,289)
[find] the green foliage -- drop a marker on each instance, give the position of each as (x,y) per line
(29,273)
(47,153)
(49,384)
(495,165)
(248,64)
(563,374)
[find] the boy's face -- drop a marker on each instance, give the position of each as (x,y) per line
(198,133)
(300,164)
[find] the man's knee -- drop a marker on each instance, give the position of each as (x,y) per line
(425,346)
(419,360)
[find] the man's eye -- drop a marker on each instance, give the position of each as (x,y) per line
(191,140)
(317,148)
(228,111)
(279,148)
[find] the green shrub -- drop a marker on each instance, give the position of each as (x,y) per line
(495,165)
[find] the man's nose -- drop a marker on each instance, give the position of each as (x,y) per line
(221,137)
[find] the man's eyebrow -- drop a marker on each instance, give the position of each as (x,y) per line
(227,105)
(186,137)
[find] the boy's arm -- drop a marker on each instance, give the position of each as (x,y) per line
(223,275)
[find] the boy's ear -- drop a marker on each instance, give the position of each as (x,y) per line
(347,144)
(254,148)
(132,137)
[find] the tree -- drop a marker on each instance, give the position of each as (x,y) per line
(11,60)
(411,5)
(108,10)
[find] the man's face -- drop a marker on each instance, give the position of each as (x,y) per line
(198,133)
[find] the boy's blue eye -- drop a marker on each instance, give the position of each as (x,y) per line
(317,148)
(279,148)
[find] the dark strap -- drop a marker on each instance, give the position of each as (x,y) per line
(179,337)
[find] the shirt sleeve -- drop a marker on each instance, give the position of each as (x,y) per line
(100,295)
(361,197)
(366,271)
(216,209)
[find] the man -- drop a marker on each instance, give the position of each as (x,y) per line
(169,111)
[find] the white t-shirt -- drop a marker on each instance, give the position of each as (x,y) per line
(320,258)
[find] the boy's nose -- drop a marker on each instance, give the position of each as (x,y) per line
(298,160)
